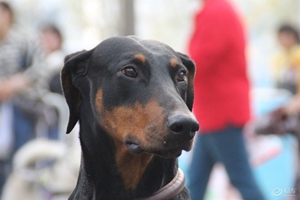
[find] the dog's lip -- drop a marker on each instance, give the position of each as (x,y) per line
(167,150)
(133,147)
(175,151)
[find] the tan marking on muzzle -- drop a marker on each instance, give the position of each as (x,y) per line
(132,121)
(123,121)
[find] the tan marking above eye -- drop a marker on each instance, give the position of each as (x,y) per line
(140,57)
(173,62)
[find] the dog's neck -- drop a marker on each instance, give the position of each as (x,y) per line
(109,171)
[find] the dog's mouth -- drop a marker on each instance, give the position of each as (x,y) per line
(170,152)
(133,147)
(166,150)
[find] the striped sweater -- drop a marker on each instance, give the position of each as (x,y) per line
(20,52)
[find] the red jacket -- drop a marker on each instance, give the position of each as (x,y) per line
(217,47)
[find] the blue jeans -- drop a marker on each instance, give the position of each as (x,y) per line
(23,128)
(226,146)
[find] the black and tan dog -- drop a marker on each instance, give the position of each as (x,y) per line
(133,99)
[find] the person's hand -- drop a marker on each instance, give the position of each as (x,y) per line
(293,106)
(5,93)
(12,85)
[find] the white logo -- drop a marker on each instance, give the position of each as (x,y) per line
(277,192)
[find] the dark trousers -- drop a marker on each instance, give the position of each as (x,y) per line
(227,147)
(23,132)
(5,166)
(23,128)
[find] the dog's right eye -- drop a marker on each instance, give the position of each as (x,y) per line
(181,76)
(130,72)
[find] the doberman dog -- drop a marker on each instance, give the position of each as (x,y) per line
(133,100)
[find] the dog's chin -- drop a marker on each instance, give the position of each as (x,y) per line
(166,152)
(171,153)
(174,152)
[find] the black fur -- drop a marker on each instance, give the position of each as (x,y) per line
(87,72)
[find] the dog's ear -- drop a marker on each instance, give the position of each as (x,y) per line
(76,65)
(189,64)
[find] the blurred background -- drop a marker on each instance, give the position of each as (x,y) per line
(85,23)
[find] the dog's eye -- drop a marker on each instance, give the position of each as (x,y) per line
(181,76)
(130,72)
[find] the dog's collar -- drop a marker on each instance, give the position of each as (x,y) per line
(171,189)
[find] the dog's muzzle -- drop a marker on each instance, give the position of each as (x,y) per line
(180,129)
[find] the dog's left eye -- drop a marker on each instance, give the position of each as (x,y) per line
(181,76)
(130,72)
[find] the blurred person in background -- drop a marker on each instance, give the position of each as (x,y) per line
(51,42)
(222,104)
(20,69)
(286,62)
(286,71)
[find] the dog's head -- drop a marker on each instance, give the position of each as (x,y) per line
(140,91)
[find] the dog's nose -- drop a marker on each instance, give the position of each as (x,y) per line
(182,124)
